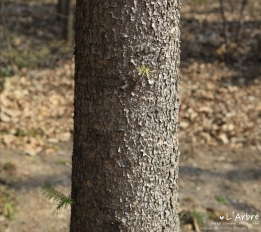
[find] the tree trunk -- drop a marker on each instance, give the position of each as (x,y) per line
(125,153)
(61,6)
(68,24)
(65,15)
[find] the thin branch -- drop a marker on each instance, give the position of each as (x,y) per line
(224,22)
(240,22)
(5,30)
(231,3)
(248,43)
(6,33)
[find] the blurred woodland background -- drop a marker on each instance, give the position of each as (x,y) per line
(220,111)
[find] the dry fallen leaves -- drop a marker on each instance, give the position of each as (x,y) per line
(213,112)
(36,111)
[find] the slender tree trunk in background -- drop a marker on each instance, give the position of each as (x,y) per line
(66,16)
(68,23)
(61,5)
(125,153)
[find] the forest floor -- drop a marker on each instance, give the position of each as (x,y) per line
(220,119)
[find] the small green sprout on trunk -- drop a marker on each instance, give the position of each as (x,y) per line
(62,200)
(144,71)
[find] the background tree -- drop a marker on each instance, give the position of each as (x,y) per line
(125,154)
(65,14)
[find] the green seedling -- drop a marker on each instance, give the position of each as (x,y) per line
(31,158)
(62,162)
(200,217)
(56,148)
(9,210)
(7,203)
(222,200)
(62,201)
(144,71)
(32,132)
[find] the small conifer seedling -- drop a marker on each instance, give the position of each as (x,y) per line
(62,200)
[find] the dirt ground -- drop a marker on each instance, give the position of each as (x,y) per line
(220,119)
(205,174)
(212,182)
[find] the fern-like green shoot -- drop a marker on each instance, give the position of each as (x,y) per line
(62,201)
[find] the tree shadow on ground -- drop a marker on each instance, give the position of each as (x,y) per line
(64,179)
(40,181)
(240,174)
(224,185)
(203,42)
(251,75)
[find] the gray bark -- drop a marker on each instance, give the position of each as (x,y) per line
(125,154)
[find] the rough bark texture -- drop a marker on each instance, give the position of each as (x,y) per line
(125,155)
